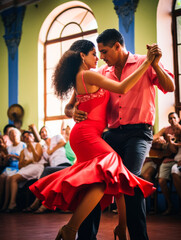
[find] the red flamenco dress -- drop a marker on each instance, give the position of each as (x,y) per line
(96,162)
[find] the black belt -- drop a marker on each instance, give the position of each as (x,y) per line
(135,126)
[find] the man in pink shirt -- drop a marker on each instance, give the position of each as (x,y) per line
(130,122)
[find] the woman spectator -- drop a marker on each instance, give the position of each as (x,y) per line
(31,165)
(13,161)
(54,153)
(3,154)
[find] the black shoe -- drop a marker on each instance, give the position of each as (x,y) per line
(12,210)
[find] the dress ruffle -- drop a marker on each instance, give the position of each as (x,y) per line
(65,189)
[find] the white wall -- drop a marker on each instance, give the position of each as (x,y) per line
(166,102)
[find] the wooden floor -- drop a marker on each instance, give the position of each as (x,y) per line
(28,226)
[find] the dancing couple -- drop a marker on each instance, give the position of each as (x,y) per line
(99,173)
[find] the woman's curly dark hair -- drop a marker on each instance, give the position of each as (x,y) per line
(65,73)
(64,77)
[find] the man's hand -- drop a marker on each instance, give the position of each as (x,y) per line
(165,79)
(154,49)
(79,115)
(160,140)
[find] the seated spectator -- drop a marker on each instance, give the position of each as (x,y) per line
(176,175)
(161,141)
(68,150)
(13,158)
(3,154)
(6,134)
(54,153)
(31,165)
(176,169)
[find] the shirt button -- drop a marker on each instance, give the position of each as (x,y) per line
(119,106)
(119,96)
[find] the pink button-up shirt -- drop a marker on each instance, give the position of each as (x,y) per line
(138,104)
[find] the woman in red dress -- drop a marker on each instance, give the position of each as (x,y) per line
(98,173)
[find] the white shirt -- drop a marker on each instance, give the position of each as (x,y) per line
(57,157)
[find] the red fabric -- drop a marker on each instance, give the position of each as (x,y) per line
(96,162)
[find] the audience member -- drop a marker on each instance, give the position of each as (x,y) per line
(176,168)
(160,143)
(6,134)
(3,154)
(176,175)
(171,136)
(13,158)
(164,151)
(54,153)
(68,150)
(31,165)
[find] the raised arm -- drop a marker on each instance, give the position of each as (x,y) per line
(37,151)
(165,80)
(123,87)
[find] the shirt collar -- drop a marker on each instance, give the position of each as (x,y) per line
(131,59)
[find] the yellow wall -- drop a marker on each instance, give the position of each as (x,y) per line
(145,25)
(3,79)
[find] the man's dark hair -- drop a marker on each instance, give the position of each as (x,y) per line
(109,37)
(29,133)
(171,114)
(6,128)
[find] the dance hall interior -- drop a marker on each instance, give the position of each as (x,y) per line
(34,35)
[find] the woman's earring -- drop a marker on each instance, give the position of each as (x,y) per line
(84,63)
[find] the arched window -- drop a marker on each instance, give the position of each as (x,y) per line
(176,13)
(73,22)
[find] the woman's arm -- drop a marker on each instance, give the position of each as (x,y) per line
(123,87)
(21,160)
(37,151)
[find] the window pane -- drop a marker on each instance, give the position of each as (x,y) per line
(71,29)
(72,15)
(179,79)
(53,105)
(179,59)
(92,38)
(178,4)
(53,53)
(55,30)
(55,126)
(72,21)
(49,73)
(56,106)
(89,22)
(179,29)
(66,44)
